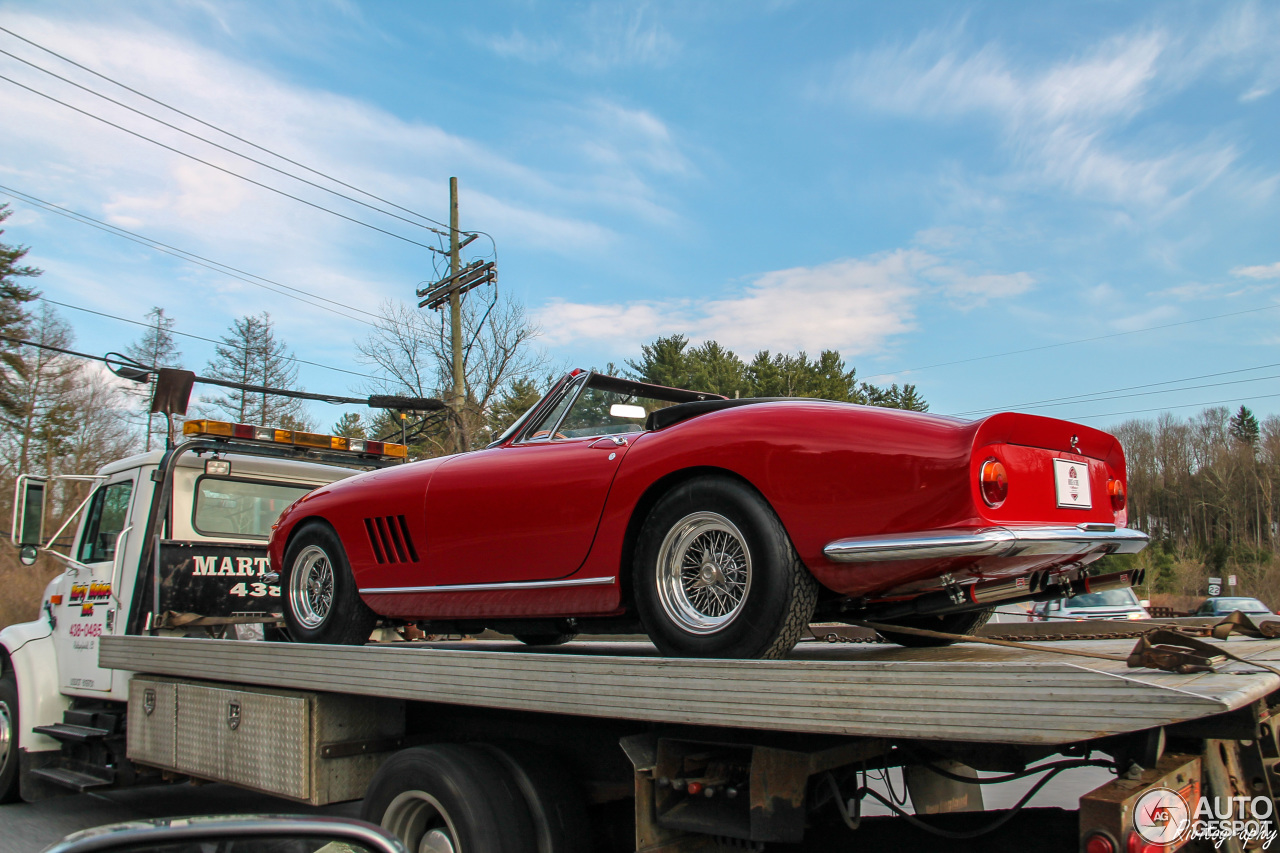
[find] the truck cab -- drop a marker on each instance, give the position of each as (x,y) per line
(169,543)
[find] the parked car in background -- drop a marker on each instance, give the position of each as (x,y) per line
(1108,604)
(1223,605)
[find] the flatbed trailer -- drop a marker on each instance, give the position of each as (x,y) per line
(771,739)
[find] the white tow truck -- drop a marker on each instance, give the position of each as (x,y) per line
(158,658)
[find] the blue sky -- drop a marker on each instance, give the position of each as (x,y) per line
(916,185)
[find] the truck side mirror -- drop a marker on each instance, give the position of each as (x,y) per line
(28,515)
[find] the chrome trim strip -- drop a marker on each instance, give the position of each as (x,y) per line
(486,587)
(988,542)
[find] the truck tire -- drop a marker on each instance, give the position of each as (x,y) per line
(952,623)
(555,801)
(450,798)
(716,576)
(8,738)
(321,604)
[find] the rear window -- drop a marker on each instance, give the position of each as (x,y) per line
(1106,598)
(241,509)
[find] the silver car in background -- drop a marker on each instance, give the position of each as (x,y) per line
(1108,604)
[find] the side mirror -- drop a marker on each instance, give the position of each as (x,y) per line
(233,834)
(28,512)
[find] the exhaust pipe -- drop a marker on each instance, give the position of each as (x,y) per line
(1028,588)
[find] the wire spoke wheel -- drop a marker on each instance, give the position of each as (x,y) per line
(421,823)
(311,587)
(704,572)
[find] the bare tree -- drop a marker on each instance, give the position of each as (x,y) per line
(155,347)
(251,354)
(410,350)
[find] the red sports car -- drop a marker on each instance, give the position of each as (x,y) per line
(722,528)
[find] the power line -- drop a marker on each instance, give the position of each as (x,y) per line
(1071,343)
(200,338)
(226,171)
(227,132)
(199,260)
(1077,398)
(221,147)
(1167,408)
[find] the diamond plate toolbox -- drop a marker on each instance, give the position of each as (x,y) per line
(275,741)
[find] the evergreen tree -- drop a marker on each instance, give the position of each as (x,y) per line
(14,321)
(512,402)
(1244,427)
(155,348)
(711,367)
(251,354)
(350,425)
(663,362)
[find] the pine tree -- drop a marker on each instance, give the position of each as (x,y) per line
(513,401)
(14,321)
(1244,427)
(251,354)
(350,425)
(155,348)
(663,362)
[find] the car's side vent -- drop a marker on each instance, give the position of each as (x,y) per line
(389,536)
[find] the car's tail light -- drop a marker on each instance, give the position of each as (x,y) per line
(1115,488)
(994,482)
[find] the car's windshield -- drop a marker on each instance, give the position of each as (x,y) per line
(1247,605)
(607,405)
(1106,598)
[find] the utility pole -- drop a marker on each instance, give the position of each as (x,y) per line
(455,314)
(449,290)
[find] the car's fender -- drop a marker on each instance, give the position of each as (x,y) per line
(29,652)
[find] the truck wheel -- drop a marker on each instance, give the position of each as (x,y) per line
(450,798)
(8,738)
(545,639)
(556,804)
(321,604)
(952,623)
(715,575)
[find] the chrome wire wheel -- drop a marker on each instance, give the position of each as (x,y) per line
(704,572)
(8,738)
(421,823)
(311,587)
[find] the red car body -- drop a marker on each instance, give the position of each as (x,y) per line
(879,504)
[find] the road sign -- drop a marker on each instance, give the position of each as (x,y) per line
(1214,589)
(1231,580)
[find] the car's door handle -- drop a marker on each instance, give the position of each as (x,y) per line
(610,442)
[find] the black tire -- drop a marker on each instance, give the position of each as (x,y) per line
(545,639)
(341,618)
(766,594)
(555,801)
(952,623)
(462,791)
(8,738)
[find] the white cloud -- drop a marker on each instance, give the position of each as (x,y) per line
(1059,121)
(854,305)
(1262,271)
(606,35)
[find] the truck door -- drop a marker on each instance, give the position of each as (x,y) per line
(89,608)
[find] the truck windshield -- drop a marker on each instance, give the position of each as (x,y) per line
(243,509)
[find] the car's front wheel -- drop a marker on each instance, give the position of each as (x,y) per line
(715,574)
(321,603)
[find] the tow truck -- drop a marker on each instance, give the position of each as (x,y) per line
(159,657)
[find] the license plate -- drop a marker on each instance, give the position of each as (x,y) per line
(1072,481)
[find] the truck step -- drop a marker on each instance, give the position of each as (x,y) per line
(72,733)
(73,779)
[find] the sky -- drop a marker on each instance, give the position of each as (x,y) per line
(1070,209)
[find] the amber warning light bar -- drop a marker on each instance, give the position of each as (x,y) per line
(296,438)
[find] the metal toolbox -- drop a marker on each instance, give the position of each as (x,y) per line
(313,747)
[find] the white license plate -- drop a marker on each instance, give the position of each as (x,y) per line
(1072,481)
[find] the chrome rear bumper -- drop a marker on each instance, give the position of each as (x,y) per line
(988,542)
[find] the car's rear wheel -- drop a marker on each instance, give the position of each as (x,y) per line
(952,623)
(450,798)
(321,603)
(715,574)
(8,738)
